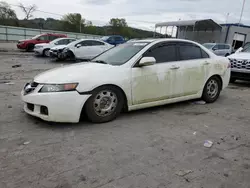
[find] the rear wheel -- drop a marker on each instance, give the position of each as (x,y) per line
(211,91)
(105,104)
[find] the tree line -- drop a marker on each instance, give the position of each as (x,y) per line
(71,22)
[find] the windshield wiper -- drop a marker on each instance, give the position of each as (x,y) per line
(100,61)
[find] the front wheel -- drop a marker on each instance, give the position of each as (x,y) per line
(46,52)
(211,91)
(105,104)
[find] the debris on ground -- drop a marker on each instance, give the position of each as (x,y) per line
(9,83)
(194,133)
(183,172)
(15,66)
(9,106)
(26,143)
(208,143)
(199,102)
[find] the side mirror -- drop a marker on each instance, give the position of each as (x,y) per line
(239,50)
(146,61)
(214,48)
(56,43)
(38,39)
(78,45)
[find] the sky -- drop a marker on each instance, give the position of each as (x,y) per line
(141,13)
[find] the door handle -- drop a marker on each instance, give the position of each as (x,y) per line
(174,67)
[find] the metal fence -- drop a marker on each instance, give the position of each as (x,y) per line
(8,33)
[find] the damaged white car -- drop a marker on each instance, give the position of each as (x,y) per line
(131,76)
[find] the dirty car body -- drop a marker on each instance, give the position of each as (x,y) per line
(133,76)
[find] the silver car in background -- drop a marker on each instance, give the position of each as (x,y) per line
(219,49)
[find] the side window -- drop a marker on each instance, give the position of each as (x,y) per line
(221,46)
(62,41)
(189,51)
(118,38)
(162,53)
(216,47)
(96,43)
(85,43)
(51,37)
(227,46)
(43,37)
(70,40)
(204,54)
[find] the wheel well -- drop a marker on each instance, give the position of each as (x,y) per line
(125,107)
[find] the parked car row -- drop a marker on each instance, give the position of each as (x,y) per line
(60,47)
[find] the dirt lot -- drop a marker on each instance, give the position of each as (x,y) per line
(154,148)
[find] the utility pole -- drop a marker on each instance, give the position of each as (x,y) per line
(241,14)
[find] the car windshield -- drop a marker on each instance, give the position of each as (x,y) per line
(35,36)
(246,48)
(120,54)
(208,45)
(105,38)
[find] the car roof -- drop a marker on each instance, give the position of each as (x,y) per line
(150,40)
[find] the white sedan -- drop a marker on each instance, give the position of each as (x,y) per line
(43,48)
(85,48)
(131,76)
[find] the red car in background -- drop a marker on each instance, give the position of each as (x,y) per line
(28,44)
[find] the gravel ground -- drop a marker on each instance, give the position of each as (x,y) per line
(155,148)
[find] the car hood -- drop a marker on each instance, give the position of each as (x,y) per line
(240,55)
(58,47)
(42,44)
(24,40)
(74,73)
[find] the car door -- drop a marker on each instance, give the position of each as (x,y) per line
(194,67)
(96,48)
(82,49)
(156,82)
(43,39)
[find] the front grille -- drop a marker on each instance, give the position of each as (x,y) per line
(30,106)
(240,64)
(29,87)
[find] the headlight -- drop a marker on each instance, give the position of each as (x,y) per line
(65,49)
(58,87)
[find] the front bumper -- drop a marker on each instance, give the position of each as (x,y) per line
(240,74)
(38,51)
(53,54)
(21,46)
(61,106)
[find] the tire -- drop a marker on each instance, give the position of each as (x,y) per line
(46,53)
(212,89)
(232,80)
(30,47)
(71,56)
(105,104)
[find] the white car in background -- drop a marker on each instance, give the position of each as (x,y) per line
(43,48)
(240,64)
(85,49)
(130,76)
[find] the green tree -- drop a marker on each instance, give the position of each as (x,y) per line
(74,20)
(6,12)
(119,26)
